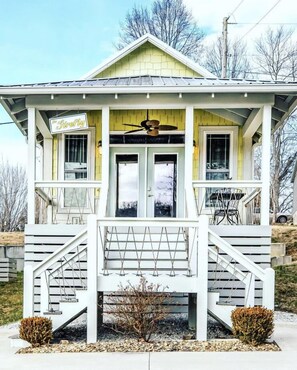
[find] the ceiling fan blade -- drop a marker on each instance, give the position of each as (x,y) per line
(167,127)
(131,125)
(153,132)
(130,132)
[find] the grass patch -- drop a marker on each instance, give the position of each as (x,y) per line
(11,300)
(286,288)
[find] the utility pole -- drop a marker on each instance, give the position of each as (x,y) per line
(225,47)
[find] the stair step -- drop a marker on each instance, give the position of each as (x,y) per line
(52,313)
(69,300)
(222,303)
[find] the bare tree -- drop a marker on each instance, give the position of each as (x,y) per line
(238,63)
(276,53)
(168,20)
(13,197)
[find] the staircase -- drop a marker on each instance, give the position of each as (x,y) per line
(69,310)
(172,253)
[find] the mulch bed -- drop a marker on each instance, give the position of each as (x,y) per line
(133,345)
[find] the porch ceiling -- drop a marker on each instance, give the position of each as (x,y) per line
(13,97)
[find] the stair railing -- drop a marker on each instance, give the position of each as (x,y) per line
(57,262)
(254,271)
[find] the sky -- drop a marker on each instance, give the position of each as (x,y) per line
(56,40)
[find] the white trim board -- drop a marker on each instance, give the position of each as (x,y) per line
(233,131)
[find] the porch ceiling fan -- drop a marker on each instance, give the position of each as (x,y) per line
(151,126)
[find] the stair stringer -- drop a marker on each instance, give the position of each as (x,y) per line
(69,311)
(219,311)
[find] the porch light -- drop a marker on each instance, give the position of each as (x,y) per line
(148,95)
(180,95)
(84,96)
(52,96)
(115,96)
(194,147)
(212,95)
(99,146)
(245,95)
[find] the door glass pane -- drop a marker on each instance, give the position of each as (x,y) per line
(217,159)
(127,185)
(165,185)
(75,168)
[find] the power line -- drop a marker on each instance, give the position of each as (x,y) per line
(268,23)
(6,123)
(264,16)
(238,5)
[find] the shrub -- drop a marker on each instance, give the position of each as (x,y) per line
(138,309)
(36,330)
(252,325)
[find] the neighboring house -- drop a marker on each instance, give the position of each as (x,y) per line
(294,181)
(115,206)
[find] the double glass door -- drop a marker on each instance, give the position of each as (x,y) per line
(146,182)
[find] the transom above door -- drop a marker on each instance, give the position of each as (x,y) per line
(146,182)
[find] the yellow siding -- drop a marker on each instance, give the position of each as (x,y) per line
(174,117)
(95,120)
(148,60)
(203,118)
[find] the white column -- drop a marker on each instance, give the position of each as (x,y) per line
(92,258)
(47,159)
(31,164)
(105,146)
(265,171)
(202,281)
(247,165)
(28,303)
(189,136)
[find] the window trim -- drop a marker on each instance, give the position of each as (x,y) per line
(90,161)
(212,130)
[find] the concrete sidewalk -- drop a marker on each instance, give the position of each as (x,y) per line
(285,335)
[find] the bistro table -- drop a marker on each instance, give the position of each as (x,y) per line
(226,206)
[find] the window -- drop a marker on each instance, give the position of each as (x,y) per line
(217,156)
(218,159)
(127,185)
(76,168)
(76,156)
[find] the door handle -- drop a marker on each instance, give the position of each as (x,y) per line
(150,195)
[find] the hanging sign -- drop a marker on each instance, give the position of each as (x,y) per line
(69,123)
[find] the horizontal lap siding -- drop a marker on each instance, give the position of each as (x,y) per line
(254,242)
(8,269)
(40,242)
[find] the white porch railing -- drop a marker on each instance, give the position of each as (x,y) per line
(247,205)
(67,202)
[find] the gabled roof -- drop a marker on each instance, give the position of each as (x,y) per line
(136,44)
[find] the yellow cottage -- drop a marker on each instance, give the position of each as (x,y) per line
(147,170)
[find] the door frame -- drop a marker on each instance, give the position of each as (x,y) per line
(143,153)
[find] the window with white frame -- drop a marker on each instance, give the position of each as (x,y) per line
(75,165)
(218,160)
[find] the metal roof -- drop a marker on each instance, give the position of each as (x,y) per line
(157,81)
(13,97)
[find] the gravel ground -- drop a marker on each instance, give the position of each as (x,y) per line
(172,335)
